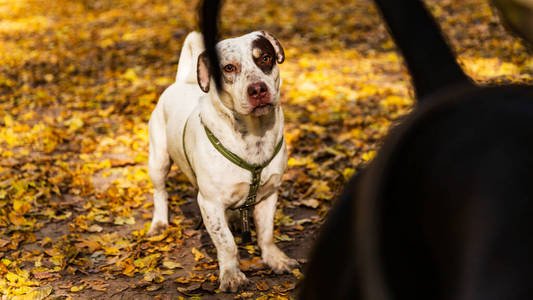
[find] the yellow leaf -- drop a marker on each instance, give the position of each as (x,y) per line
(57,259)
(171,264)
(21,207)
(283,238)
(159,237)
(262,285)
(348,173)
(111,250)
(147,261)
(130,75)
(6,262)
(369,155)
(77,288)
(297,274)
(129,270)
(120,220)
(296,162)
(11,277)
(197,254)
(35,294)
(8,120)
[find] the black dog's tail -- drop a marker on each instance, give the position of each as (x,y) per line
(431,63)
(209,14)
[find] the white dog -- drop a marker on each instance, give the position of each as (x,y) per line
(229,143)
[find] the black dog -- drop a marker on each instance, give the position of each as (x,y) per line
(445,209)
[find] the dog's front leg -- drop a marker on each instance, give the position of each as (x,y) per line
(213,214)
(264,223)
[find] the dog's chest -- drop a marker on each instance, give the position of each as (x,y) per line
(231,184)
(269,184)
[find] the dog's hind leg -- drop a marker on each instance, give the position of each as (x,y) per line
(158,167)
(264,223)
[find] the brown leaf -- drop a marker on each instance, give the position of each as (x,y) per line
(284,287)
(262,286)
(192,289)
(4,243)
(46,275)
(209,286)
(251,265)
(153,287)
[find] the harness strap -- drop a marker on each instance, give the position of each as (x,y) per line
(255,169)
(185,149)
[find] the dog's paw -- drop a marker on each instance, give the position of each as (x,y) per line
(157,227)
(231,280)
(278,261)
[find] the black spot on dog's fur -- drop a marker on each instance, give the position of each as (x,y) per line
(266,49)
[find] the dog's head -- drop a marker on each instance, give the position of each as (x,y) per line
(250,73)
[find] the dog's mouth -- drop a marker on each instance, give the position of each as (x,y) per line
(262,109)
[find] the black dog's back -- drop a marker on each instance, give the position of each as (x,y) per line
(444,210)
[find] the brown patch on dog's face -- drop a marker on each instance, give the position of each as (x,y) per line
(280,53)
(263,54)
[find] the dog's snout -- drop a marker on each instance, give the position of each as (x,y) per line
(257,90)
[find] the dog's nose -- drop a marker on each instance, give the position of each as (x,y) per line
(257,90)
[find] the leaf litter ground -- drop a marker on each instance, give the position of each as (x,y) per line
(78,81)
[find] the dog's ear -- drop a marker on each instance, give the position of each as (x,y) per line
(203,75)
(277,46)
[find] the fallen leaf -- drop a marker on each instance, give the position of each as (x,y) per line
(197,254)
(120,220)
(312,203)
(297,274)
(262,286)
(283,238)
(244,295)
(150,260)
(251,265)
(192,289)
(35,294)
(152,287)
(284,287)
(78,288)
(171,264)
(95,228)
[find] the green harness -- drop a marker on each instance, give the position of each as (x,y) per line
(255,169)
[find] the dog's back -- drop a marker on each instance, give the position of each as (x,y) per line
(443,211)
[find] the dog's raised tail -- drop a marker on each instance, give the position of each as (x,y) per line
(192,48)
(431,63)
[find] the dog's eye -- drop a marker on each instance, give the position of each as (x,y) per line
(229,68)
(267,59)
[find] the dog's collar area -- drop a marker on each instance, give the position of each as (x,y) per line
(255,169)
(234,158)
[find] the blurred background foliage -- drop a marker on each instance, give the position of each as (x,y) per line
(78,82)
